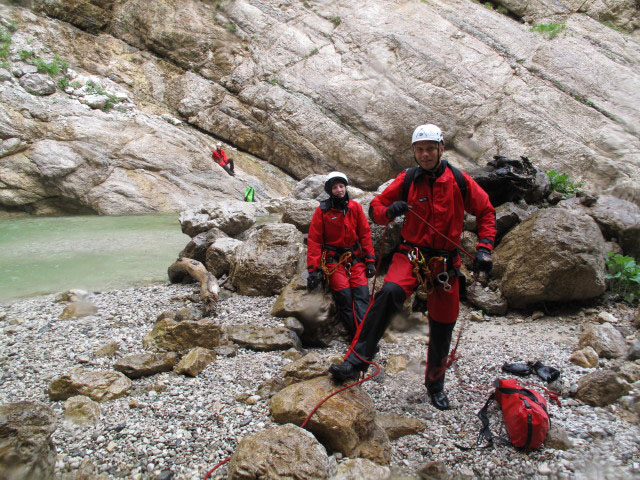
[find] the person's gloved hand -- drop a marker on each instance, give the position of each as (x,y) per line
(483,261)
(313,280)
(397,208)
(370,269)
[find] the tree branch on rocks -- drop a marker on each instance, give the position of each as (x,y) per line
(209,288)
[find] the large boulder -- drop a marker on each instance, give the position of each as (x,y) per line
(218,255)
(262,339)
(178,336)
(299,213)
(605,339)
(307,367)
(231,216)
(316,312)
(601,388)
(619,219)
(26,449)
(98,385)
(266,262)
(345,423)
(198,245)
(554,255)
(283,452)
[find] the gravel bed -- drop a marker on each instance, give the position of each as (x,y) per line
(171,426)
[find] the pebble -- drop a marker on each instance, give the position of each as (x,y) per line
(176,428)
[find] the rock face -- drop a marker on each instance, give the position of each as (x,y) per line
(168,334)
(319,88)
(554,255)
(98,385)
(345,423)
(26,449)
(299,213)
(266,262)
(284,451)
(145,364)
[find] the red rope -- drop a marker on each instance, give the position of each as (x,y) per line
(424,220)
(214,468)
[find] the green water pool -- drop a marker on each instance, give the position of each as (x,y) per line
(40,255)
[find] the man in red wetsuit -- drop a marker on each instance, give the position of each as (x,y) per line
(435,194)
(339,248)
(220,157)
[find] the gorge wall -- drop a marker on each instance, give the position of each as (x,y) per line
(300,87)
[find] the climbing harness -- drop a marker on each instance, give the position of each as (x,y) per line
(345,259)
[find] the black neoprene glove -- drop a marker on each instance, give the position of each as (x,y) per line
(483,261)
(397,208)
(313,280)
(370,269)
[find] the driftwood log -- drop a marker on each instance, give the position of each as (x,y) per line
(209,287)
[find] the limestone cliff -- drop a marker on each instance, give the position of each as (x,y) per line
(308,86)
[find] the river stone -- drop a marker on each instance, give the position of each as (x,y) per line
(361,469)
(292,323)
(586,357)
(231,216)
(605,339)
(280,452)
(73,295)
(78,310)
(397,426)
(38,84)
(316,312)
(554,255)
(491,302)
(557,438)
(98,385)
(268,260)
(179,336)
(196,249)
(109,349)
(397,363)
(436,470)
(262,339)
(310,366)
(601,388)
(140,365)
(299,213)
(81,410)
(218,255)
(345,423)
(229,350)
(195,361)
(26,449)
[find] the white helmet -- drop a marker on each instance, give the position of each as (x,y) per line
(427,132)
(218,145)
(333,178)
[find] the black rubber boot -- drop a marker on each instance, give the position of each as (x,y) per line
(344,305)
(344,372)
(440,400)
(439,343)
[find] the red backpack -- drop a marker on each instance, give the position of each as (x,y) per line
(524,412)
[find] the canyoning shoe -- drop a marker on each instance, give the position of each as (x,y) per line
(520,369)
(440,400)
(344,372)
(546,373)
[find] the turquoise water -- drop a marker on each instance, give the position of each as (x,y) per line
(40,255)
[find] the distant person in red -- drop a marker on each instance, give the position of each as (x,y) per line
(221,159)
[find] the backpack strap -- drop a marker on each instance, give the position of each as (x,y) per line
(412,172)
(325,205)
